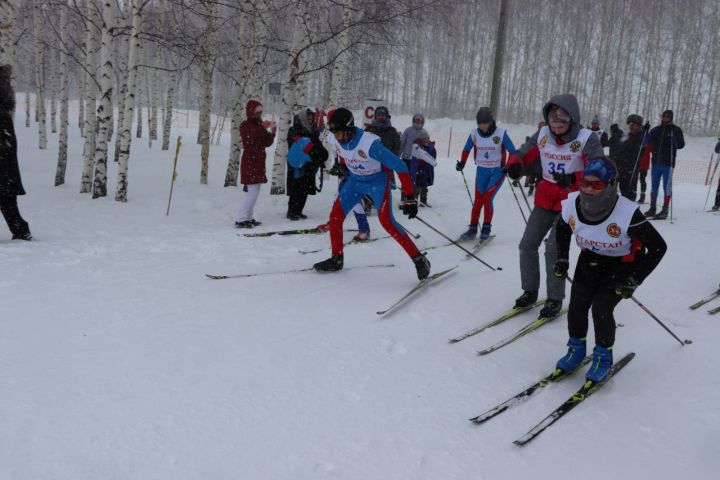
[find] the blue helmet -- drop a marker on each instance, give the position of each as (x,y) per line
(603,168)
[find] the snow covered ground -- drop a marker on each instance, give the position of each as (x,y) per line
(120,359)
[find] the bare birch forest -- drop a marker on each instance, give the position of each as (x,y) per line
(131,63)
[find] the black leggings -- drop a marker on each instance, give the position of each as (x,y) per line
(594,287)
(296,203)
(9,208)
(643,181)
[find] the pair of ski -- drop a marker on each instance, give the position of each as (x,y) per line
(299,270)
(296,231)
(478,245)
(707,299)
(513,312)
(355,242)
(587,389)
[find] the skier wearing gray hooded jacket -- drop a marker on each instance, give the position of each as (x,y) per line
(411,134)
(563,148)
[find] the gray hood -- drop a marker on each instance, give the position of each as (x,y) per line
(569,103)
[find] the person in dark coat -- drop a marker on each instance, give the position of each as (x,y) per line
(306,155)
(625,152)
(390,139)
(716,207)
(10,182)
(256,136)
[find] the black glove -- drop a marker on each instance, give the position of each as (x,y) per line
(561,267)
(625,287)
(409,206)
(646,127)
(564,180)
(459,166)
(513,170)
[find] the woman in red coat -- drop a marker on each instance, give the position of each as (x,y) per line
(255,139)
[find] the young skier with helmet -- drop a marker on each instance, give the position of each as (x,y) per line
(491,145)
(619,248)
(370,166)
(562,146)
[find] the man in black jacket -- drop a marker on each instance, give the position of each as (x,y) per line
(10,182)
(625,152)
(389,137)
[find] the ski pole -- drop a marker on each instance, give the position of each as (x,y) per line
(672,168)
(522,212)
(647,310)
(174,173)
(522,191)
(712,177)
(457,244)
(466,187)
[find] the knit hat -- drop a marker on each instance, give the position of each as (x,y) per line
(595,120)
(669,113)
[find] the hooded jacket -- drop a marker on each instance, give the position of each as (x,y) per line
(10,181)
(663,142)
(255,140)
(409,136)
(549,195)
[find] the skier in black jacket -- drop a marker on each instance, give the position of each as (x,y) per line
(625,152)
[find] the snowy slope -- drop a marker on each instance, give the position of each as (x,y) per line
(119,359)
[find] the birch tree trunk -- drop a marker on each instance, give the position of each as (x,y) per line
(64,71)
(91,96)
(53,95)
(122,183)
(208,59)
(105,110)
(123,71)
(171,81)
(139,99)
(289,97)
(339,66)
(40,75)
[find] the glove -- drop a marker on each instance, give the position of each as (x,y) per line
(409,206)
(459,166)
(625,288)
(615,130)
(561,267)
(646,127)
(513,170)
(564,180)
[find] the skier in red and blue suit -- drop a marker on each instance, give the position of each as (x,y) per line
(370,166)
(491,145)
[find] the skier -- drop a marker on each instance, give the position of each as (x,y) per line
(626,152)
(663,141)
(10,181)
(619,249)
(562,146)
(304,160)
(717,193)
(369,166)
(601,134)
(490,144)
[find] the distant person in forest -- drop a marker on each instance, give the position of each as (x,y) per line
(422,166)
(601,134)
(10,182)
(306,155)
(663,142)
(625,151)
(256,135)
(717,193)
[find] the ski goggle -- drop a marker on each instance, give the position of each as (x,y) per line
(594,184)
(559,115)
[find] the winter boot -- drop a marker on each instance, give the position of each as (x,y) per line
(642,198)
(255,223)
(663,214)
(551,309)
(244,224)
(601,364)
(575,355)
(470,234)
(716,207)
(23,236)
(485,231)
(422,265)
(293,216)
(332,264)
(652,211)
(526,299)
(361,237)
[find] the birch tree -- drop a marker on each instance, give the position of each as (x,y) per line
(90,98)
(207,57)
(171,81)
(64,70)
(339,65)
(40,74)
(105,109)
(123,23)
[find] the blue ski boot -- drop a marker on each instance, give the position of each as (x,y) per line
(470,234)
(602,363)
(485,231)
(575,355)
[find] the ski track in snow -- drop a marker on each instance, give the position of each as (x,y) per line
(119,359)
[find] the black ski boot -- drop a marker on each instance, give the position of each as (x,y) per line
(332,264)
(526,299)
(642,198)
(551,309)
(716,207)
(652,211)
(244,224)
(663,214)
(23,236)
(422,265)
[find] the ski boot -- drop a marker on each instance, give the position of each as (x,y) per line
(652,211)
(470,234)
(244,224)
(575,355)
(485,231)
(716,207)
(361,237)
(332,264)
(293,216)
(551,309)
(23,236)
(422,265)
(663,214)
(602,363)
(642,198)
(255,223)
(526,299)
(324,227)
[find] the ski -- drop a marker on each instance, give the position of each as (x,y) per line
(420,285)
(349,242)
(447,244)
(299,270)
(705,300)
(505,316)
(713,311)
(530,327)
(297,231)
(480,243)
(584,392)
(515,400)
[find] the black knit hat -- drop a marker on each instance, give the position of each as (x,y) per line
(484,115)
(341,120)
(669,113)
(382,110)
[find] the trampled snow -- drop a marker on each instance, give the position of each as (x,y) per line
(120,359)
